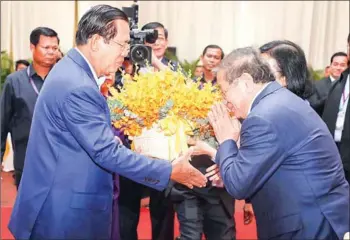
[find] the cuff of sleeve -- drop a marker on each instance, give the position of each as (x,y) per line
(226,149)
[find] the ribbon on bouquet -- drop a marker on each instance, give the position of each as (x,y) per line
(177,129)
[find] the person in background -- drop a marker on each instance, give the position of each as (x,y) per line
(20,92)
(288,64)
(198,72)
(210,58)
(336,115)
(159,47)
(21,64)
(60,55)
(326,71)
(161,208)
(339,62)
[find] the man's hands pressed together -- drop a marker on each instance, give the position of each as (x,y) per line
(224,126)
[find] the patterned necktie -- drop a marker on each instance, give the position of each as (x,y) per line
(105,86)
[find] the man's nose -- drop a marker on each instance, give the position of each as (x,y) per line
(52,51)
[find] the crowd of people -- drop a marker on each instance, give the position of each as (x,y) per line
(286,152)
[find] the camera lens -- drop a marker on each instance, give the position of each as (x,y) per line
(152,36)
(139,54)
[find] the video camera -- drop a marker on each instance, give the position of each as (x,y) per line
(139,52)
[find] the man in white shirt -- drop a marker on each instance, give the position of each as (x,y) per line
(338,62)
(336,116)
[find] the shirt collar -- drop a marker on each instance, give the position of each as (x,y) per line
(213,82)
(251,104)
(332,78)
(32,71)
(100,80)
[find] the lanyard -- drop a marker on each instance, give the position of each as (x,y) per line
(32,82)
(344,97)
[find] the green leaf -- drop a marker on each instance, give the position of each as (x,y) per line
(6,66)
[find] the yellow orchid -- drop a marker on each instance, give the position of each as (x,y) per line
(166,98)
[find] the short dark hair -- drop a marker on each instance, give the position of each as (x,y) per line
(246,60)
(45,31)
(21,61)
(154,25)
(215,47)
(291,61)
(99,20)
(338,54)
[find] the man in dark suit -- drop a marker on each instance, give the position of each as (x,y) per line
(67,187)
(287,163)
(161,208)
(339,62)
(20,93)
(336,115)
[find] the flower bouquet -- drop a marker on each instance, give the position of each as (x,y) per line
(160,110)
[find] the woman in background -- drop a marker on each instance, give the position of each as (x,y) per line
(288,64)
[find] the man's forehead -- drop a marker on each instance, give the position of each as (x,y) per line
(340,59)
(213,51)
(161,31)
(48,40)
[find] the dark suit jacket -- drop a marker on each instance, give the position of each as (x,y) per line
(17,106)
(321,89)
(67,188)
(330,113)
(290,168)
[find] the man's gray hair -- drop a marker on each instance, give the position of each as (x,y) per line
(246,60)
(99,20)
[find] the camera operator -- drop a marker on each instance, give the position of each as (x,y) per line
(159,47)
(131,193)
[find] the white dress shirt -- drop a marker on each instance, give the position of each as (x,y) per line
(100,80)
(251,104)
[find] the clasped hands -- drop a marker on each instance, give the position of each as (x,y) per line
(225,128)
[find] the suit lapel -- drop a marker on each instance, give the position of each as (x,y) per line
(78,59)
(271,88)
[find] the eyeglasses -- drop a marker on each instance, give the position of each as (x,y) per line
(224,93)
(124,47)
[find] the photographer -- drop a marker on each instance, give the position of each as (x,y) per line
(159,47)
(131,193)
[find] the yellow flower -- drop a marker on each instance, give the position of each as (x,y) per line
(153,96)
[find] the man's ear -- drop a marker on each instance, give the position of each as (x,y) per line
(247,77)
(166,43)
(248,82)
(32,47)
(95,41)
(282,81)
